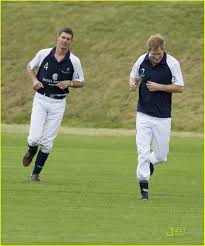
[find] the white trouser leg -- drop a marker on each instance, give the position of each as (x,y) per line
(52,124)
(143,141)
(38,118)
(160,141)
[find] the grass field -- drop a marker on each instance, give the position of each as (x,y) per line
(88,194)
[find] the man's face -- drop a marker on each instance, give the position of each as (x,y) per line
(64,40)
(156,55)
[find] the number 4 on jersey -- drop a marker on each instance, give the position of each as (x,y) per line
(46,66)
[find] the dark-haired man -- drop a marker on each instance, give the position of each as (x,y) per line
(52,71)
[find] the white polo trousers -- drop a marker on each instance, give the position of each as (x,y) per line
(152,139)
(46,117)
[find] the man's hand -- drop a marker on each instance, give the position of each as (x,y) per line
(133,84)
(37,85)
(63,84)
(153,86)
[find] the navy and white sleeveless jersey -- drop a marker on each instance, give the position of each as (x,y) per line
(156,103)
(51,72)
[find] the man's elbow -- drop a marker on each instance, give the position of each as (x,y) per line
(28,68)
(83,83)
(180,89)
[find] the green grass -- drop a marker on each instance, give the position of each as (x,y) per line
(88,194)
(109,37)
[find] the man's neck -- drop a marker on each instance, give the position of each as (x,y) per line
(61,52)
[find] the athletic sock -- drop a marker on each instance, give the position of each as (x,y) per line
(143,186)
(40,161)
(33,149)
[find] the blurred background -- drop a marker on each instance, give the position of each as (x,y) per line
(108,38)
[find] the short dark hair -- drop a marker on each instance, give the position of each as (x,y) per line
(66,30)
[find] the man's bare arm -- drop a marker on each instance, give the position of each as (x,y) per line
(36,83)
(133,84)
(153,86)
